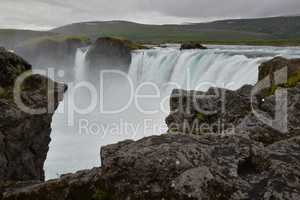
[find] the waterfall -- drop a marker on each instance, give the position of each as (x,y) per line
(194,69)
(80,63)
(222,66)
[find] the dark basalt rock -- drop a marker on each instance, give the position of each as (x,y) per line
(192,45)
(111,53)
(202,167)
(270,67)
(24,136)
(179,167)
(283,125)
(11,66)
(278,72)
(83,185)
(221,109)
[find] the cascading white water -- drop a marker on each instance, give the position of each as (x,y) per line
(194,69)
(80,63)
(221,66)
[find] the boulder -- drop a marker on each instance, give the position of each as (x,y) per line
(283,117)
(192,45)
(178,167)
(52,51)
(217,110)
(24,130)
(175,166)
(111,53)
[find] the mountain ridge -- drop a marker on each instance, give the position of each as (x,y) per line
(273,28)
(255,31)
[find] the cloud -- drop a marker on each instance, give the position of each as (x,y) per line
(52,13)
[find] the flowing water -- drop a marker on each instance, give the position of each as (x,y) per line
(80,63)
(78,136)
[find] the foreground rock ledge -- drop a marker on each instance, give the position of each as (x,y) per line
(182,167)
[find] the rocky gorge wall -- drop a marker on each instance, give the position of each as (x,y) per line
(24,137)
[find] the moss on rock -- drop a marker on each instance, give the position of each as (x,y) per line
(273,67)
(293,80)
(200,116)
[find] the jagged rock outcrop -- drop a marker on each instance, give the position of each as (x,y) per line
(111,53)
(270,67)
(25,120)
(202,167)
(278,72)
(181,167)
(192,45)
(55,52)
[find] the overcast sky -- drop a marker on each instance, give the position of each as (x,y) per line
(46,14)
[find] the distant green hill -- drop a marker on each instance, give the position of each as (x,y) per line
(263,31)
(10,38)
(276,30)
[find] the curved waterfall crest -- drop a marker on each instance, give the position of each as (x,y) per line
(194,69)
